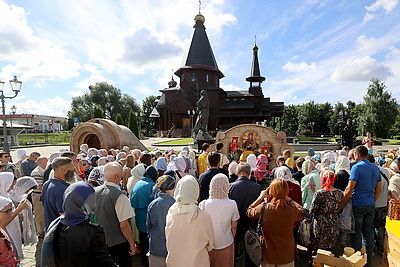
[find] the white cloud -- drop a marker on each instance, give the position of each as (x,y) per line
(37,58)
(367,44)
(144,90)
(56,106)
(299,67)
(360,69)
(231,87)
(387,5)
(368,17)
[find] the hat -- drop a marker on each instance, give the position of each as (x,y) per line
(125,148)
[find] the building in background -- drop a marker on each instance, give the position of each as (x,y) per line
(38,123)
(175,107)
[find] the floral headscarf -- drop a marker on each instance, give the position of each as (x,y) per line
(328,179)
(285,174)
(219,186)
(261,167)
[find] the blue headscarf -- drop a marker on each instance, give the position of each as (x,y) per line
(151,173)
(312,152)
(79,201)
(161,164)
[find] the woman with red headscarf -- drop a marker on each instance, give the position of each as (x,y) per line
(325,211)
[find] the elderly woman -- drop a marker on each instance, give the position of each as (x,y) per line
(325,212)
(394,182)
(8,219)
(186,246)
(156,219)
(224,214)
(309,183)
(232,170)
(96,176)
(178,165)
(142,195)
(78,242)
(342,172)
(279,216)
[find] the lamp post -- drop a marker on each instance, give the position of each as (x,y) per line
(16,88)
(191,113)
(13,111)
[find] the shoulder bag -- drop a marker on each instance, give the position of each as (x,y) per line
(253,240)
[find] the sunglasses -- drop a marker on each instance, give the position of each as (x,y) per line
(7,211)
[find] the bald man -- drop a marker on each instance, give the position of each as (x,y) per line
(113,211)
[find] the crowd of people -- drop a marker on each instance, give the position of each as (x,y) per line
(100,207)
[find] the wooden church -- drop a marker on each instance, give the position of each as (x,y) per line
(174,111)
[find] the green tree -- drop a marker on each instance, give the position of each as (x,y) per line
(118,119)
(290,119)
(337,118)
(308,115)
(395,130)
(105,96)
(132,123)
(97,112)
(147,123)
(381,109)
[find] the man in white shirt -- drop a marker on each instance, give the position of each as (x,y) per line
(113,212)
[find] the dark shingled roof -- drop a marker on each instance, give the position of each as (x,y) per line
(200,54)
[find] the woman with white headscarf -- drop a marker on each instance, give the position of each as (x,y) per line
(310,183)
(342,172)
(189,230)
(178,165)
(193,163)
(22,188)
(11,222)
(285,174)
(224,214)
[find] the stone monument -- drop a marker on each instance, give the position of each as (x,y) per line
(261,139)
(103,133)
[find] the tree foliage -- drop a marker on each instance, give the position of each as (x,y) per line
(97,112)
(106,97)
(133,124)
(147,123)
(118,119)
(290,120)
(381,109)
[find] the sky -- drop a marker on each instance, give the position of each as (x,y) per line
(320,50)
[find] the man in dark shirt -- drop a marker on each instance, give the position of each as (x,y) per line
(299,174)
(29,164)
(348,134)
(244,192)
(205,177)
(53,189)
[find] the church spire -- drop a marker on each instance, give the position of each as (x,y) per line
(255,77)
(199,54)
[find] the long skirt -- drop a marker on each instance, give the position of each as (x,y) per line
(222,257)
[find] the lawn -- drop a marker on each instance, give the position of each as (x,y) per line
(178,142)
(40,138)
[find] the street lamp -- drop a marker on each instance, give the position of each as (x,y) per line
(13,111)
(16,87)
(191,113)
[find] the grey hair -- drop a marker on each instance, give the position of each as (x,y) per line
(243,167)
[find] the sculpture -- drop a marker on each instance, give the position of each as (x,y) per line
(203,108)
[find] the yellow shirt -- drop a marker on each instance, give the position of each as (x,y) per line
(245,154)
(202,163)
(290,162)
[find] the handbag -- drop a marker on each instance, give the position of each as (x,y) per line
(305,231)
(253,241)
